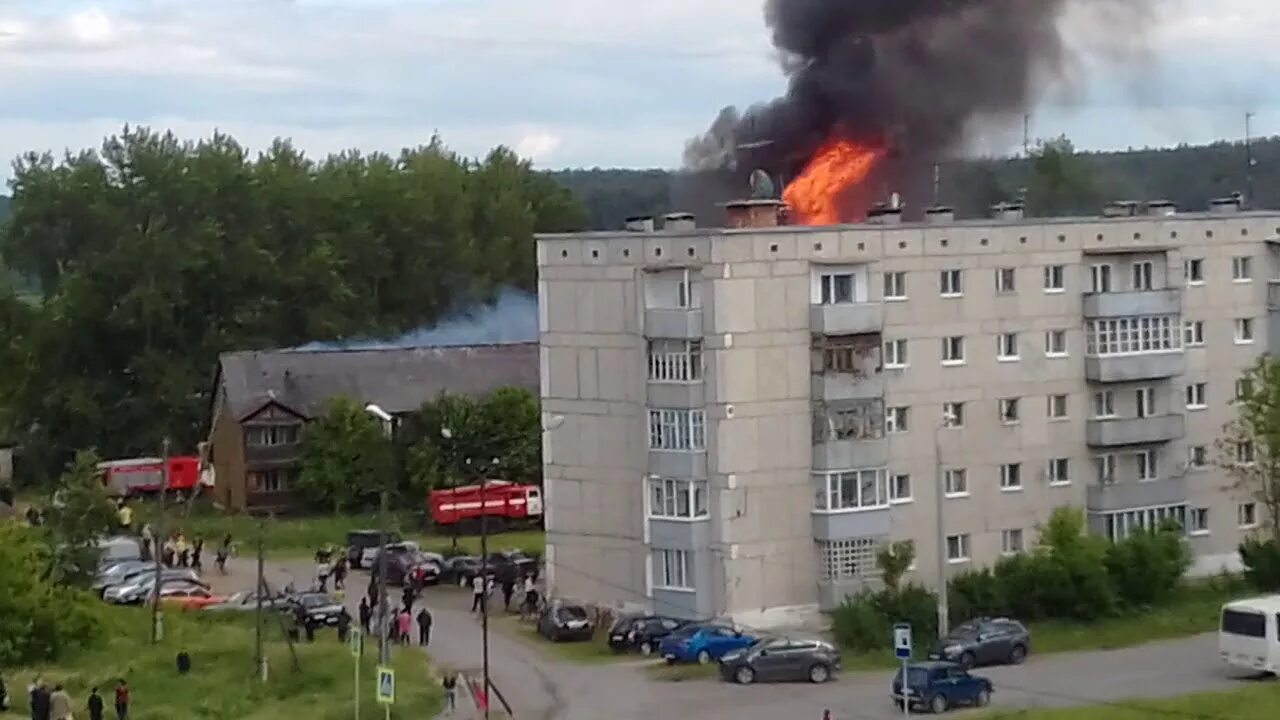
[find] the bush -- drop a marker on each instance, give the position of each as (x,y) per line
(39,619)
(1261,560)
(1145,567)
(865,621)
(975,594)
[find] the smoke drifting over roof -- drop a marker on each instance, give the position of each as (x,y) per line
(916,76)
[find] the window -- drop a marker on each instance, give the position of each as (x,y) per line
(861,421)
(1249,624)
(850,490)
(1244,453)
(683,430)
(1007,347)
(1055,343)
(956,482)
(671,570)
(1147,466)
(1120,524)
(1011,476)
(1198,521)
(269,481)
(900,488)
(1057,407)
(1144,400)
(848,559)
(895,286)
(675,361)
(671,290)
(1059,471)
(1054,278)
(953,350)
(896,419)
(953,414)
(1242,269)
(1006,281)
(1104,405)
(1193,333)
(1244,388)
(1244,331)
(271,435)
(1143,276)
(1196,394)
(1100,277)
(1009,411)
(1011,542)
(1197,457)
(670,498)
(843,355)
(1133,335)
(895,354)
(1193,270)
(1247,515)
(958,548)
(951,283)
(1106,468)
(838,288)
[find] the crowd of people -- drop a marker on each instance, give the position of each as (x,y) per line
(398,623)
(57,703)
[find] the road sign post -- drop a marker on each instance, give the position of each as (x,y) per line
(902,651)
(386,688)
(356,640)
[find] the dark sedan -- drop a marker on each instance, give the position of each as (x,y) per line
(317,608)
(781,660)
(641,632)
(985,641)
(565,621)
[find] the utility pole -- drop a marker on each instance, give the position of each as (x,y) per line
(384,650)
(484,599)
(940,495)
(157,546)
(1248,155)
(260,664)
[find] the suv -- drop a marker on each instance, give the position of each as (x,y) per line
(937,686)
(360,540)
(781,660)
(985,641)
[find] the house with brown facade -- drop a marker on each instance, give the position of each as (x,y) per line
(263,400)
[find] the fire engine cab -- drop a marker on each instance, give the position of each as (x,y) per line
(505,503)
(136,476)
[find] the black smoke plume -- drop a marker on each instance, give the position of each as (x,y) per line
(918,77)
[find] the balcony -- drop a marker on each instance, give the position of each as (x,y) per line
(842,454)
(846,319)
(1132,304)
(691,535)
(679,464)
(1137,366)
(845,525)
(1117,432)
(835,386)
(690,395)
(674,323)
(1128,495)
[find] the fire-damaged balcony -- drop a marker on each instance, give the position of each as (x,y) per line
(849,433)
(846,318)
(1119,432)
(846,367)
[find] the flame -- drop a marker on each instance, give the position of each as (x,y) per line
(815,194)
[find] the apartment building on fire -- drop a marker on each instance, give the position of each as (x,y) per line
(750,412)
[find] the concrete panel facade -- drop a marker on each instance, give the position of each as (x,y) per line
(1118,432)
(1129,495)
(1127,368)
(1125,304)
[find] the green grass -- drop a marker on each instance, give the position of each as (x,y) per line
(1254,701)
(222,684)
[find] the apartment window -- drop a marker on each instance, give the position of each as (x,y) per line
(1133,335)
(1244,388)
(672,570)
(1007,346)
(958,548)
(848,559)
(1059,471)
(272,435)
(1100,277)
(671,498)
(895,354)
(900,488)
(1006,281)
(1054,278)
(956,482)
(677,430)
(838,288)
(1144,400)
(1244,330)
(269,481)
(675,361)
(951,283)
(1148,469)
(850,490)
(1143,276)
(1120,524)
(1009,411)
(896,419)
(1193,333)
(861,421)
(1057,407)
(1244,453)
(1197,394)
(1106,469)
(1247,515)
(1011,476)
(671,290)
(1193,270)
(895,286)
(1055,343)
(1198,521)
(953,350)
(1197,457)
(1011,542)
(953,414)
(1242,268)
(1104,405)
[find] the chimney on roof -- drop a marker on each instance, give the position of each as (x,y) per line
(940,215)
(1007,211)
(1226,205)
(640,223)
(757,213)
(1162,208)
(1120,208)
(886,213)
(680,222)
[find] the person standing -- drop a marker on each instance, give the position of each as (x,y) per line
(125,515)
(96,706)
(344,625)
(39,700)
(530,596)
(340,573)
(366,614)
(122,700)
(477,592)
(406,627)
(424,626)
(197,549)
(221,559)
(59,704)
(508,592)
(450,685)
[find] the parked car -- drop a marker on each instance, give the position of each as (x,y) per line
(186,596)
(426,569)
(641,632)
(460,569)
(781,660)
(138,588)
(937,686)
(114,573)
(402,559)
(565,620)
(117,548)
(358,541)
(702,643)
(985,641)
(512,564)
(247,601)
(394,550)
(319,608)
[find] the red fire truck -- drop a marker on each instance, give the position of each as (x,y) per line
(135,476)
(506,503)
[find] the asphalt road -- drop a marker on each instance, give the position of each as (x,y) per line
(540,687)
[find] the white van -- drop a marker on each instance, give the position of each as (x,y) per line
(1249,634)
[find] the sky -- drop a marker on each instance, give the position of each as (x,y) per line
(568,83)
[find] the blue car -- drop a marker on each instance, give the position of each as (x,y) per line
(702,643)
(938,686)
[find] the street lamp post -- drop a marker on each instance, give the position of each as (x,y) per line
(384,650)
(940,495)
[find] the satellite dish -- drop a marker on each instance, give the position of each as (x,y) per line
(762,186)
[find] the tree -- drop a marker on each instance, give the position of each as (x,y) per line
(505,425)
(79,513)
(39,618)
(1249,448)
(347,459)
(1061,182)
(894,559)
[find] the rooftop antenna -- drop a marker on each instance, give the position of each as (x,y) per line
(937,183)
(1248,154)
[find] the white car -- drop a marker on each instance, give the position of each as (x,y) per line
(140,587)
(369,554)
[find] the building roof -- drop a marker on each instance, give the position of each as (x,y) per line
(397,379)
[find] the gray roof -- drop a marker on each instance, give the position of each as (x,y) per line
(398,379)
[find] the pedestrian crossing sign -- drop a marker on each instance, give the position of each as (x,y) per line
(356,641)
(386,685)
